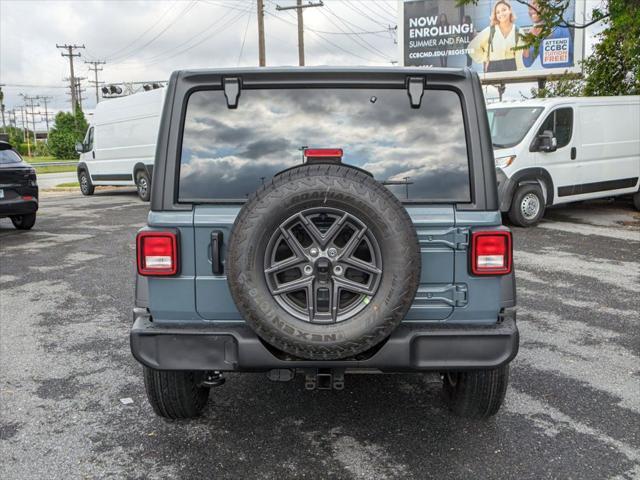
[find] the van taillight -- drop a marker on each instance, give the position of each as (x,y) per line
(157,253)
(491,252)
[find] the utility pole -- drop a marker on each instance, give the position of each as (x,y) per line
(298,7)
(4,125)
(78,90)
(25,136)
(94,68)
(30,100)
(261,52)
(46,111)
(72,78)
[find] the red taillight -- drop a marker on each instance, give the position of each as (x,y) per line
(491,253)
(323,152)
(157,253)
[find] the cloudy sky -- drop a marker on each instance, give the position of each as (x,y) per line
(145,40)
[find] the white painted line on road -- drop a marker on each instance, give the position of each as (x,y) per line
(619,233)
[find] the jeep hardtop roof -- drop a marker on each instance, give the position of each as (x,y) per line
(460,80)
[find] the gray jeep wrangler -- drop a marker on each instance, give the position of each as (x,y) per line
(321,221)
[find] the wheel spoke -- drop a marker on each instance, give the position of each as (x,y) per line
(360,265)
(332,231)
(294,244)
(299,284)
(284,265)
(353,242)
(352,286)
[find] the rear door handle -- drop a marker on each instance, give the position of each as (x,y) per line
(574,153)
(216,252)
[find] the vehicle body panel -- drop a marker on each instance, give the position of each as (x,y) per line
(18,185)
(602,158)
(122,137)
(193,313)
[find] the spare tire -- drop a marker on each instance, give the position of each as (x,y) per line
(323,262)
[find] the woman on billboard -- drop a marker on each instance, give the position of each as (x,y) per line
(495,46)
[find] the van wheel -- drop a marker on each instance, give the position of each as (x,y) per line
(636,201)
(86,187)
(24,222)
(476,393)
(175,394)
(527,207)
(144,185)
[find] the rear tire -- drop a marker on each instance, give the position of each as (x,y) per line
(86,187)
(175,394)
(636,201)
(143,184)
(528,205)
(24,222)
(476,393)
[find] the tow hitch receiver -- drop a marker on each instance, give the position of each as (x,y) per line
(213,379)
(324,379)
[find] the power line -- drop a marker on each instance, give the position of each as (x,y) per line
(377,33)
(220,30)
(151,27)
(319,35)
(175,48)
(244,38)
(184,11)
(362,41)
(349,4)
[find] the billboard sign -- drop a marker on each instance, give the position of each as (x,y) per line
(485,37)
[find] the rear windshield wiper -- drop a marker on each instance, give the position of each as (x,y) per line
(499,145)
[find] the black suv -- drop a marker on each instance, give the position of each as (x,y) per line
(320,221)
(18,189)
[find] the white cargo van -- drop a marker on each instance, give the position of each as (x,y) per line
(564,149)
(120,144)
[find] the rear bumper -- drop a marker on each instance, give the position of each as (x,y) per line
(234,347)
(18,206)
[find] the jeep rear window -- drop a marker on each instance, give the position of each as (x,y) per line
(420,154)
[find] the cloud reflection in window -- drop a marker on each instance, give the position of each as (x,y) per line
(416,153)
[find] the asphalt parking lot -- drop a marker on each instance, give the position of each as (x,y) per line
(572,410)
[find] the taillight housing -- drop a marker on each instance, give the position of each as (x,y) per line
(491,252)
(157,253)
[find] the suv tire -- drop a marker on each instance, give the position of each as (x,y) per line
(143,184)
(475,393)
(356,202)
(175,394)
(636,201)
(86,187)
(527,206)
(24,222)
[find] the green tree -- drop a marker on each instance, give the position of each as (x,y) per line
(66,132)
(614,66)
